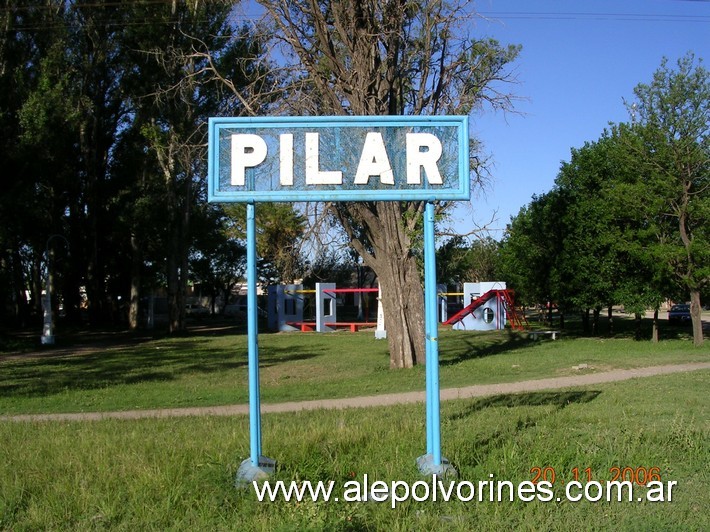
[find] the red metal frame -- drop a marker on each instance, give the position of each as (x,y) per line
(506,297)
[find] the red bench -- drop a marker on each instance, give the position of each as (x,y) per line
(354,326)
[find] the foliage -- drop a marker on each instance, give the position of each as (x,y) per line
(626,222)
(280,232)
(529,250)
(458,262)
(103,120)
(218,262)
(330,266)
(670,118)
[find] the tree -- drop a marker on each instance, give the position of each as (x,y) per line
(589,243)
(102,115)
(458,261)
(530,252)
(217,261)
(670,117)
(388,57)
(333,266)
(280,230)
(643,278)
(628,219)
(173,93)
(589,266)
(44,106)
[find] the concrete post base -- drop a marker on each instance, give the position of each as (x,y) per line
(248,472)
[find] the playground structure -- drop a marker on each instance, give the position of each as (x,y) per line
(487,307)
(286,305)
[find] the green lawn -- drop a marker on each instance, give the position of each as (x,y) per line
(210,368)
(177,474)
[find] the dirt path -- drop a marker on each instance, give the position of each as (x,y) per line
(378,400)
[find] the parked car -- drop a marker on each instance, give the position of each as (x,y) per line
(196,310)
(240,309)
(679,314)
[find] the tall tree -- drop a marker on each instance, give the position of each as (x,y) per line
(94,54)
(172,97)
(103,114)
(388,57)
(458,261)
(218,261)
(588,265)
(671,117)
(280,231)
(530,251)
(34,108)
(643,278)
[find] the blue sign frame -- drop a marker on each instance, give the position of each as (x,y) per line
(389,158)
(339,145)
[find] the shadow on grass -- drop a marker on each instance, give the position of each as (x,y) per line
(511,400)
(483,445)
(623,326)
(163,361)
(480,345)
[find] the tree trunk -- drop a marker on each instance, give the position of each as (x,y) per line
(380,233)
(637,323)
(18,289)
(595,321)
(174,299)
(688,274)
(585,321)
(184,244)
(176,264)
(74,274)
(654,332)
(176,305)
(610,319)
(696,318)
(403,305)
(136,266)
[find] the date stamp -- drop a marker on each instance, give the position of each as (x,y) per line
(636,475)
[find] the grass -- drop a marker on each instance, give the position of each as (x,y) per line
(209,367)
(177,474)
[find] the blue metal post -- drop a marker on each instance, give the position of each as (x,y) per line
(427,332)
(432,338)
(252,325)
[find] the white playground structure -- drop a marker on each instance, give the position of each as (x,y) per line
(487,306)
(286,304)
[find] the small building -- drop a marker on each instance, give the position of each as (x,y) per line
(486,307)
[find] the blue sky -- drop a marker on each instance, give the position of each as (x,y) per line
(579,60)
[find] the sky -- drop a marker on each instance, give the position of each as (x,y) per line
(579,61)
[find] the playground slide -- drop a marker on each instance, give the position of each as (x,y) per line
(515,318)
(473,305)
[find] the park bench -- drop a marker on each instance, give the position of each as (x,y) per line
(353,326)
(534,335)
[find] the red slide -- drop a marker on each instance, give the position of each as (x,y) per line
(473,305)
(517,321)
